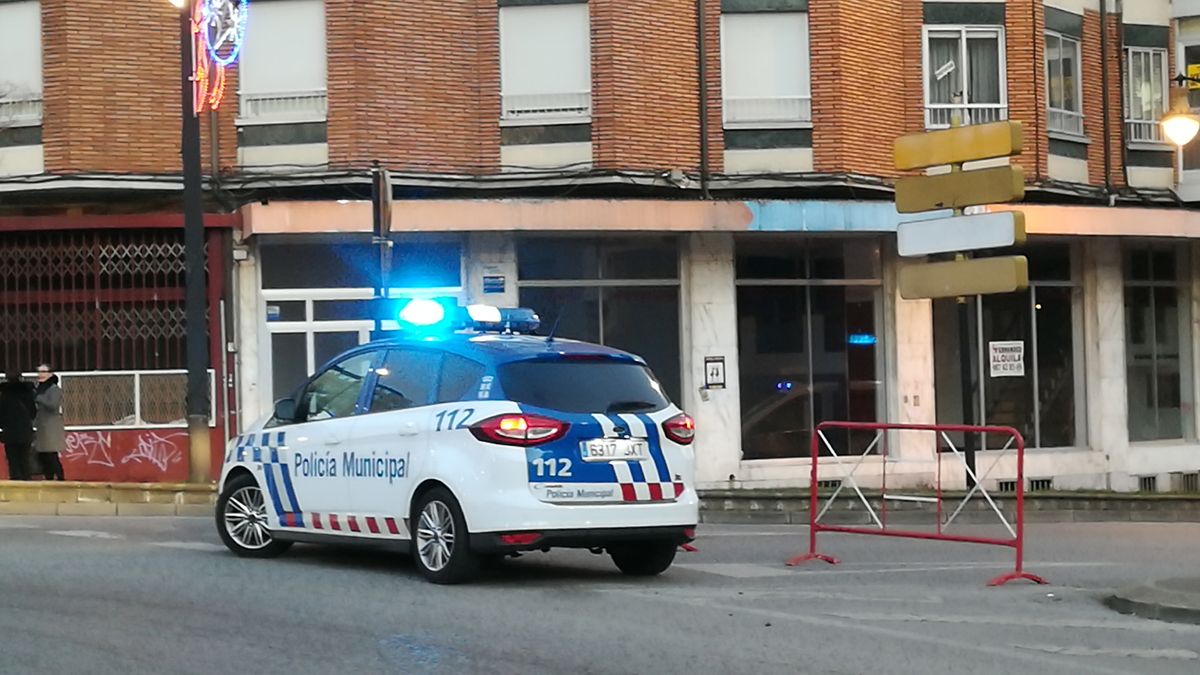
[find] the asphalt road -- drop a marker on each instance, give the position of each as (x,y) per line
(159,595)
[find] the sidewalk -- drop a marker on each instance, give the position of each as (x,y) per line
(74,498)
(1176,600)
(783,506)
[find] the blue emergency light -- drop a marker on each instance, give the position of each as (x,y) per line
(424,315)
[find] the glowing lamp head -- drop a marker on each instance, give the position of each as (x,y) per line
(1180,125)
(1181,128)
(484,314)
(422,313)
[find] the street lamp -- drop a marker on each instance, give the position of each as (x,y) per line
(195,305)
(1181,125)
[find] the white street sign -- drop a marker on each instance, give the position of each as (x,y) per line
(960,233)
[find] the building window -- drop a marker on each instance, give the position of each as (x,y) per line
(1158,343)
(1145,93)
(281,72)
(21,78)
(1063,85)
(1043,399)
(317,296)
(545,64)
(964,76)
(621,292)
(809,348)
(765,70)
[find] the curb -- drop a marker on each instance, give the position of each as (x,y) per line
(76,498)
(1151,601)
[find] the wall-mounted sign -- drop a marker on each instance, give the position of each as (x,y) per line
(714,372)
(1007,358)
(493,283)
(274,313)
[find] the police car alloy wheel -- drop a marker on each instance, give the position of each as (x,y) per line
(643,559)
(242,520)
(441,541)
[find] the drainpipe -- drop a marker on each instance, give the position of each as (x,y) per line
(702,49)
(1104,106)
(1121,84)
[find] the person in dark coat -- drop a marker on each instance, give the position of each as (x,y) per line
(49,436)
(17,410)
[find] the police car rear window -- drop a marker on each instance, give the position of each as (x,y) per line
(583,386)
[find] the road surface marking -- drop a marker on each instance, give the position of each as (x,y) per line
(1020,620)
(737,570)
(189,545)
(15,526)
(826,622)
(86,534)
(1174,654)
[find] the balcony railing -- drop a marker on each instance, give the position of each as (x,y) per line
(939,115)
(1065,121)
(566,108)
(1143,131)
(284,107)
(21,112)
(779,111)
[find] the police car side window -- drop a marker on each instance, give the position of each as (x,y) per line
(334,392)
(459,376)
(405,380)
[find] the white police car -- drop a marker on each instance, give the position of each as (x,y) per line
(469,444)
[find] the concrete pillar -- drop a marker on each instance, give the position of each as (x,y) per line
(1104,335)
(709,328)
(250,316)
(492,255)
(909,372)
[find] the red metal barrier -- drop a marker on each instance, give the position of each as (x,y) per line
(1016,541)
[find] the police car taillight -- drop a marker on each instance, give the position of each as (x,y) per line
(523,430)
(680,428)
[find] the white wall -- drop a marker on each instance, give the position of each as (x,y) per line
(21,160)
(1067,169)
(491,254)
(285,157)
(769,160)
(578,156)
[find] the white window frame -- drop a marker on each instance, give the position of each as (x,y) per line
(1061,120)
(568,107)
(1140,130)
(283,106)
(937,115)
(778,112)
(23,107)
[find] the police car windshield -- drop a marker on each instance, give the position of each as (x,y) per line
(604,386)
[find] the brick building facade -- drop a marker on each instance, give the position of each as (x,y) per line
(548,153)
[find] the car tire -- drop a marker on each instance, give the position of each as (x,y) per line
(643,559)
(242,520)
(441,542)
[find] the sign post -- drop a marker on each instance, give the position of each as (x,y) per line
(962,277)
(381,227)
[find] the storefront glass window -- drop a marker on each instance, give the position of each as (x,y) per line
(619,291)
(1042,396)
(808,341)
(1157,341)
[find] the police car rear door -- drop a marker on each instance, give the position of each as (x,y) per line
(391,437)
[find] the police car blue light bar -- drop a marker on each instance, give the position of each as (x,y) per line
(426,315)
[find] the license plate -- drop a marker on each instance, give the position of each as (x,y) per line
(614,449)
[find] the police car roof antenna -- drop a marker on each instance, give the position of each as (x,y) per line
(554,328)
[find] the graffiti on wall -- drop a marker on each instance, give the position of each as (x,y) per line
(150,455)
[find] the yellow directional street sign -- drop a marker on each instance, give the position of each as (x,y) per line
(958,145)
(957,190)
(960,189)
(975,276)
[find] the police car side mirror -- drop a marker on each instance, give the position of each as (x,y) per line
(285,410)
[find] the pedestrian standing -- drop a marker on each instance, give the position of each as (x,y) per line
(17,410)
(50,435)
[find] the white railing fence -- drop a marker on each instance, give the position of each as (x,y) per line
(284,107)
(565,108)
(777,110)
(939,115)
(22,112)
